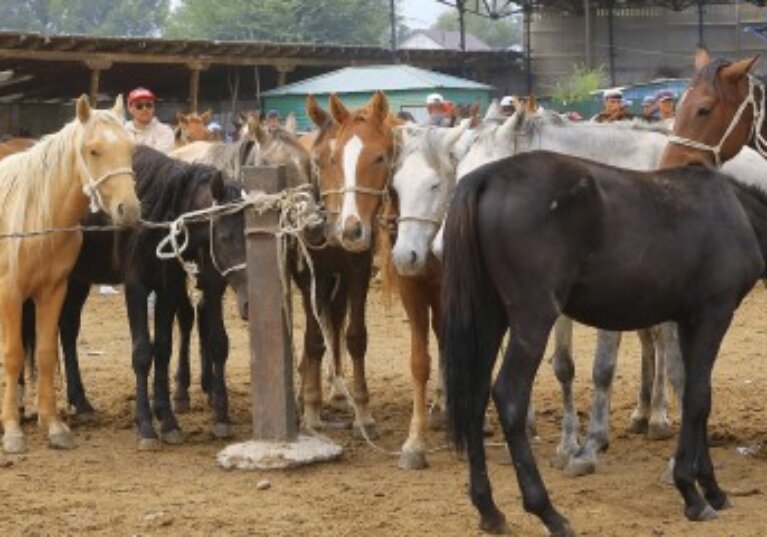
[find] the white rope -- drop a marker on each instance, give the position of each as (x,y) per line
(756,125)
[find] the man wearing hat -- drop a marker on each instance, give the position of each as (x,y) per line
(272,120)
(507,106)
(435,108)
(144,126)
(613,109)
(665,100)
(649,109)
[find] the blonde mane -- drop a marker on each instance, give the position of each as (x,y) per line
(28,180)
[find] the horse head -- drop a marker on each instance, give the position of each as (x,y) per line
(281,147)
(105,161)
(716,115)
(424,182)
(193,127)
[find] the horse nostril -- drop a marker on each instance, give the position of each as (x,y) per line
(356,231)
(413,257)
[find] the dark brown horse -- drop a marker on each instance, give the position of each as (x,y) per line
(538,235)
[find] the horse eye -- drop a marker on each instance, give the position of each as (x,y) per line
(435,186)
(94,153)
(704,111)
(379,159)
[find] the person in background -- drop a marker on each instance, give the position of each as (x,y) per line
(273,120)
(434,107)
(145,128)
(507,106)
(613,108)
(215,129)
(666,101)
(649,109)
(450,114)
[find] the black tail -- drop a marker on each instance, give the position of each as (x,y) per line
(472,315)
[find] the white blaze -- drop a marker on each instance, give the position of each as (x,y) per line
(352,151)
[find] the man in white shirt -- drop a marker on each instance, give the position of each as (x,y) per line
(144,126)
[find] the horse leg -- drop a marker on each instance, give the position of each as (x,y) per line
(564,369)
(48,304)
(136,302)
(356,343)
(511,394)
(164,313)
(669,337)
(69,329)
(417,308)
(659,427)
(640,416)
(13,354)
(598,433)
(437,409)
(311,362)
(185,315)
(29,343)
(700,341)
(206,366)
(218,348)
(333,326)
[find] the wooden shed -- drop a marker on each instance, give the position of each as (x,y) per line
(406,87)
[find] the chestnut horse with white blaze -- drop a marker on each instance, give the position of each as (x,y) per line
(51,185)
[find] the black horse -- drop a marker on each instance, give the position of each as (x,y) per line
(534,236)
(167,188)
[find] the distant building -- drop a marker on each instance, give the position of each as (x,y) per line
(442,40)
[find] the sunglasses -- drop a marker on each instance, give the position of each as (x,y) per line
(140,106)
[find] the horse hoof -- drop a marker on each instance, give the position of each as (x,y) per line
(436,419)
(61,440)
(638,426)
(174,437)
(149,444)
(412,460)
(562,457)
(495,526)
(668,475)
(370,431)
(700,515)
(13,445)
(721,503)
(182,406)
(564,531)
(580,467)
(659,431)
(222,430)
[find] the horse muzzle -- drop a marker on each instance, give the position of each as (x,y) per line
(354,235)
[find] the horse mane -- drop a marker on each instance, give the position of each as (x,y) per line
(707,75)
(28,178)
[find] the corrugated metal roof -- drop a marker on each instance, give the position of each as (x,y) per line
(376,77)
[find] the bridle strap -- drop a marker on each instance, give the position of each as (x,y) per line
(356,190)
(91,188)
(424,219)
(756,125)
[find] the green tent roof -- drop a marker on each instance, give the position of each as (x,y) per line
(376,77)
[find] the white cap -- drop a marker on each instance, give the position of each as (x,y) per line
(508,100)
(613,94)
(214,126)
(434,98)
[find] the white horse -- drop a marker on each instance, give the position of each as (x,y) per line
(633,145)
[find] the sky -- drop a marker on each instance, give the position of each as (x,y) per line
(421,13)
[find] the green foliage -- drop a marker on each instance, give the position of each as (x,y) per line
(501,33)
(362,22)
(580,84)
(89,17)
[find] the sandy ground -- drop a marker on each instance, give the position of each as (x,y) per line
(105,487)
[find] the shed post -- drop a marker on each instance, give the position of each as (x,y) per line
(282,73)
(194,83)
(96,66)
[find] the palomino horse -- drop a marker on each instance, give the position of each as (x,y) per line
(722,110)
(51,185)
(192,127)
(531,237)
(352,156)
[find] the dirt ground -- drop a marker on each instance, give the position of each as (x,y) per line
(105,487)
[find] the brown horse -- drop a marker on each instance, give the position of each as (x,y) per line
(51,185)
(721,111)
(192,128)
(15,145)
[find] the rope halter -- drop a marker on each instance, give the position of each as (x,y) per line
(91,185)
(756,125)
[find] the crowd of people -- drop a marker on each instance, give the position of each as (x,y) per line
(658,107)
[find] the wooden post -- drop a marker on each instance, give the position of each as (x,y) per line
(96,66)
(271,362)
(282,73)
(194,83)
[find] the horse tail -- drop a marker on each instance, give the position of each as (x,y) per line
(471,313)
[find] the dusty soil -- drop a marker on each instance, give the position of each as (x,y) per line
(105,486)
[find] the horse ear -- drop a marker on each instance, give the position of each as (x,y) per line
(291,125)
(739,69)
(702,58)
(316,113)
(217,187)
(83,109)
(532,105)
(119,108)
(454,134)
(180,118)
(493,109)
(474,110)
(337,109)
(205,117)
(512,124)
(379,106)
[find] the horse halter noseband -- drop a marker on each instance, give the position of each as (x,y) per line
(756,125)
(91,186)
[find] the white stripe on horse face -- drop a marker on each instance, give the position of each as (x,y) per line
(352,151)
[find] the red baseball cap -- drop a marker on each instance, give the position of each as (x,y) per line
(140,94)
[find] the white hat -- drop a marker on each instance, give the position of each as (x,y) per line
(434,98)
(613,94)
(508,100)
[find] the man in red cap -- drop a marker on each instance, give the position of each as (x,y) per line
(144,126)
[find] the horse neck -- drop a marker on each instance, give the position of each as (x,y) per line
(68,202)
(754,203)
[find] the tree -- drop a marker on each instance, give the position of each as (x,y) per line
(359,22)
(580,84)
(501,33)
(88,17)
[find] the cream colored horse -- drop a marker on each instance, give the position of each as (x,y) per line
(51,185)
